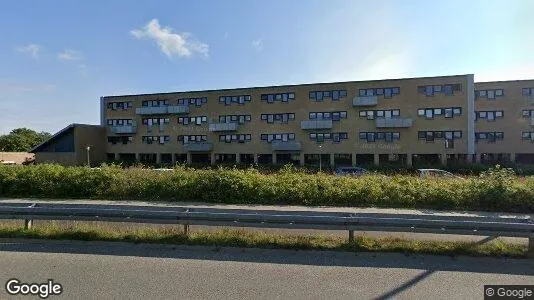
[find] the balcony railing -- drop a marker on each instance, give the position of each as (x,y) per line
(286,146)
(161,110)
(393,122)
(365,101)
(316,124)
(198,147)
(178,109)
(124,129)
(214,127)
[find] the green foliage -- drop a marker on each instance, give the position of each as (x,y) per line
(497,189)
(22,140)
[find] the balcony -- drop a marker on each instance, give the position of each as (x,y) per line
(178,109)
(365,101)
(198,147)
(393,122)
(151,110)
(161,110)
(316,124)
(124,129)
(286,146)
(215,127)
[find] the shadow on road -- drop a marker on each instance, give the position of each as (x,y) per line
(278,256)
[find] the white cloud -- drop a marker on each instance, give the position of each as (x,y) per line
(69,55)
(31,49)
(257,44)
(171,44)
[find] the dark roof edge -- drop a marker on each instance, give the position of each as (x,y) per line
(34,149)
(279,86)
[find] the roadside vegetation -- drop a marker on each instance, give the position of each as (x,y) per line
(495,190)
(243,238)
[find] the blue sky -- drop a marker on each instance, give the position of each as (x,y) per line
(58,57)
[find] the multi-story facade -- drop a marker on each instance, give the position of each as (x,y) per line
(346,123)
(401,122)
(504,121)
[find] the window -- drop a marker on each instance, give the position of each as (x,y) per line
(489,94)
(332,115)
(240,119)
(155,121)
(155,103)
(448,112)
(528,113)
(430,136)
(270,137)
(447,89)
(489,137)
(237,138)
(198,102)
(528,136)
(120,105)
(371,114)
(429,113)
(119,122)
(335,137)
(387,137)
(120,139)
(239,99)
(334,95)
(186,139)
(193,120)
(527,92)
(387,92)
(155,139)
(281,97)
(280,118)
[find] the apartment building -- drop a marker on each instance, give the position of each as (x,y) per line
(504,121)
(344,123)
(402,122)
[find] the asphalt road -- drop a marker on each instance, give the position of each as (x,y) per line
(98,270)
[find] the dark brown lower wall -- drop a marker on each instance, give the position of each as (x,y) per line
(63,158)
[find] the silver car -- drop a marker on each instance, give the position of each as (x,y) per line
(437,173)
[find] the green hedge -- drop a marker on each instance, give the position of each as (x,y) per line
(495,190)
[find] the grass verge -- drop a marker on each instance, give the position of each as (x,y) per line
(243,238)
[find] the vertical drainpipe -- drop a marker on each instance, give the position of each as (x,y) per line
(102,121)
(471,114)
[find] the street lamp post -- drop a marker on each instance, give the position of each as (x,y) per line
(320,158)
(88,156)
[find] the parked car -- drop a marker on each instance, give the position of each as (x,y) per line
(437,173)
(350,171)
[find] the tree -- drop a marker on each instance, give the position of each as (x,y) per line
(22,140)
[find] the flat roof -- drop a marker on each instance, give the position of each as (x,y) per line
(282,86)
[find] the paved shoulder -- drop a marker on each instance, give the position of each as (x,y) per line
(90,270)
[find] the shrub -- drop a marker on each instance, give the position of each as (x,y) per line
(497,189)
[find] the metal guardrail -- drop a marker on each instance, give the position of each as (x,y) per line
(425,223)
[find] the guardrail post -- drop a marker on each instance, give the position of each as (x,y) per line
(530,250)
(351,236)
(186,229)
(28,224)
